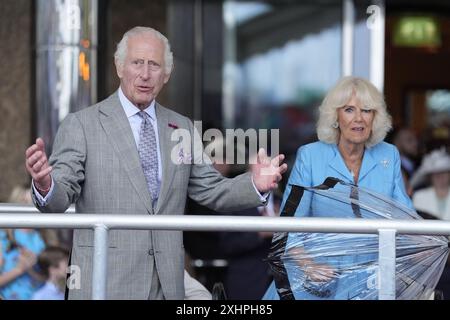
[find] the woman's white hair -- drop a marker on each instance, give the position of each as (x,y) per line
(122,46)
(366,93)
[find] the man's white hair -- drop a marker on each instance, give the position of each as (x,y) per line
(122,46)
(339,96)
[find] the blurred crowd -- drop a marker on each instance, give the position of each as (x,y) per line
(33,263)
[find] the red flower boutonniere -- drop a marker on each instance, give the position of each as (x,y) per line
(173,125)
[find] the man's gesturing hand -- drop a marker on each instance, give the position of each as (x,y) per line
(266,172)
(37,166)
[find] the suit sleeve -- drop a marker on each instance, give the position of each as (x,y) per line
(209,188)
(67,159)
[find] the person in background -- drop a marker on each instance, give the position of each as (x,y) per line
(433,201)
(53,262)
(248,273)
(194,290)
(243,272)
(22,195)
(434,171)
(408,145)
(19,277)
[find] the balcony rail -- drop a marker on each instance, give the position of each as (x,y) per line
(23,216)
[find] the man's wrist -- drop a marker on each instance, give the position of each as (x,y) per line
(262,197)
(43,190)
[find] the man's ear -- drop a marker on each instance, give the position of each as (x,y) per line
(167,76)
(119,68)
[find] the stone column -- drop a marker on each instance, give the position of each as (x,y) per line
(16,19)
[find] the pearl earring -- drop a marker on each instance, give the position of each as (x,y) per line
(335,125)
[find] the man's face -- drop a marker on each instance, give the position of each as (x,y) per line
(142,75)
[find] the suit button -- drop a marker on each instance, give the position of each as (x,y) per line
(150,252)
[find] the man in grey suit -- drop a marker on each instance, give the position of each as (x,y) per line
(115,158)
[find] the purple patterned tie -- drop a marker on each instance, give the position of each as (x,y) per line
(148,155)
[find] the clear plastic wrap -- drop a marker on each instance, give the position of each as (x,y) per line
(345,266)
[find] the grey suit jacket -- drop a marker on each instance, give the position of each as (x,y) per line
(96,166)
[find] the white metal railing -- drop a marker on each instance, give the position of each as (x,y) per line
(13,216)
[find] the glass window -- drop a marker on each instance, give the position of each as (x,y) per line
(279,61)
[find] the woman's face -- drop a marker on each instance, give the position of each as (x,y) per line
(355,122)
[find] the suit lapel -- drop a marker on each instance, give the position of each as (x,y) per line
(116,125)
(338,165)
(368,163)
(166,146)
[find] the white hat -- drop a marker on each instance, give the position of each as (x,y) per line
(434,162)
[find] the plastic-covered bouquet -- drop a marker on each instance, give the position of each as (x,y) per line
(345,266)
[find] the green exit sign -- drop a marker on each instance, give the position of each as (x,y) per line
(417,31)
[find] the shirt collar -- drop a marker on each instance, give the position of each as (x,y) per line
(131,110)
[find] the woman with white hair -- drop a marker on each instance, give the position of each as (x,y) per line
(353,121)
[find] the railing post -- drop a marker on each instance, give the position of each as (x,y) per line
(100,267)
(386,260)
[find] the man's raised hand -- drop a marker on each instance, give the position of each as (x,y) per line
(37,165)
(268,172)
